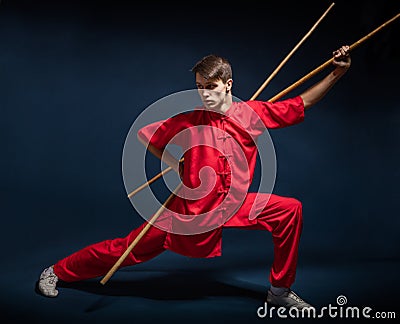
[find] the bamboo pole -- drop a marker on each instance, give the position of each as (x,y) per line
(144,185)
(329,62)
(268,80)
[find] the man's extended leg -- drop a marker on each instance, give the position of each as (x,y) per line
(97,259)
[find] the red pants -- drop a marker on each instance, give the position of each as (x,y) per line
(282,216)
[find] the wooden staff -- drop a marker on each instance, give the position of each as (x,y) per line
(138,238)
(134,192)
(289,55)
(329,62)
(255,95)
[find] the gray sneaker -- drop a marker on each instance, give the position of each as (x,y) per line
(288,299)
(47,283)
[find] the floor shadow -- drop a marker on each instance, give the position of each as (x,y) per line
(169,286)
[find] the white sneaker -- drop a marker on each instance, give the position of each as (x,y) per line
(47,283)
(288,299)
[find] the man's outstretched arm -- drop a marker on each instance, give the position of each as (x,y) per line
(315,93)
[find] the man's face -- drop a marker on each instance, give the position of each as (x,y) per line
(212,92)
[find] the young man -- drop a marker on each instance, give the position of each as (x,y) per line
(220,136)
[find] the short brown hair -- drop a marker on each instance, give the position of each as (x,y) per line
(213,67)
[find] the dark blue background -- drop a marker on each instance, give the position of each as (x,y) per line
(76,74)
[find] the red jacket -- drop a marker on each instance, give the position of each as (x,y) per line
(219,160)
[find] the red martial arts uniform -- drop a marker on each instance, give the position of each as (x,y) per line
(222,148)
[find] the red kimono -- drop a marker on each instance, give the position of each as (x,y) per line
(219,160)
